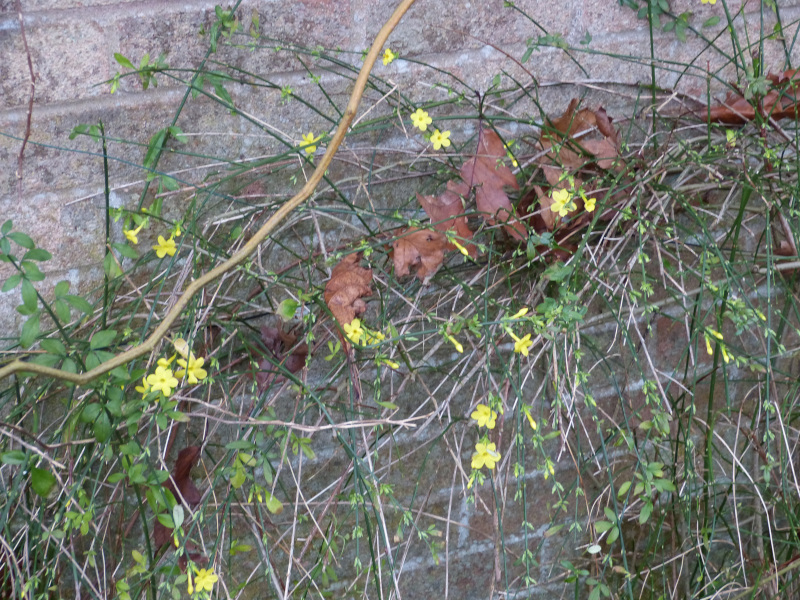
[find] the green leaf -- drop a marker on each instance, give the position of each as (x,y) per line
(102,339)
(125,250)
(287,309)
(177,515)
(14,457)
(6,227)
(37,254)
(553,530)
(239,477)
(29,331)
(46,360)
(612,536)
(110,266)
(273,504)
(240,445)
(62,287)
(32,270)
(177,133)
(387,405)
(102,427)
(123,61)
(602,526)
(29,298)
(22,239)
(79,303)
(154,147)
(91,412)
(610,514)
(62,310)
(42,481)
(166,521)
(595,593)
(12,282)
(711,22)
(623,489)
(647,510)
(558,271)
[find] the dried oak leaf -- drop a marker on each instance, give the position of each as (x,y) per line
(488,175)
(283,349)
(349,283)
(780,102)
(181,485)
(420,249)
(447,213)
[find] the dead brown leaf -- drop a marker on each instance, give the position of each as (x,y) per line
(420,249)
(487,173)
(780,102)
(283,349)
(349,283)
(447,213)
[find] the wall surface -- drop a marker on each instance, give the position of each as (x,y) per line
(54,189)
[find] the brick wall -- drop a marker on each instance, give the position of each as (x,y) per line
(58,199)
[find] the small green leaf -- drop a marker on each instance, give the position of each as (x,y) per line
(240,445)
(602,526)
(123,61)
(79,303)
(7,226)
(22,239)
(594,549)
(14,457)
(91,412)
(553,530)
(612,536)
(37,254)
(102,427)
(287,309)
(166,521)
(62,287)
(610,514)
(32,270)
(177,515)
(239,477)
(12,282)
(387,405)
(711,22)
(42,481)
(102,339)
(62,310)
(273,504)
(623,489)
(29,298)
(647,510)
(558,271)
(125,250)
(29,331)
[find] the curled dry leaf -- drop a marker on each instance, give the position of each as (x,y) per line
(487,173)
(181,485)
(780,102)
(349,283)
(420,249)
(284,350)
(447,213)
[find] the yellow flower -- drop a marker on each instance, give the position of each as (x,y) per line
(521,345)
(165,247)
(162,380)
(373,337)
(456,343)
(485,454)
(353,331)
(190,588)
(163,362)
(709,349)
(309,142)
(485,416)
(420,119)
(391,364)
(520,313)
(508,153)
(177,231)
(589,204)
(531,420)
(143,389)
(725,355)
(205,580)
(562,203)
(439,139)
(181,347)
(461,248)
(709,1)
(192,368)
(389,56)
(132,234)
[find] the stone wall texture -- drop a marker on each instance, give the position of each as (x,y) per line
(54,192)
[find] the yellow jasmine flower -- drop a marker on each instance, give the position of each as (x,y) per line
(716,334)
(205,580)
(439,139)
(531,420)
(389,56)
(709,349)
(709,1)
(456,343)
(461,248)
(521,345)
(190,588)
(391,364)
(353,331)
(485,416)
(508,153)
(562,203)
(143,389)
(163,362)
(725,355)
(165,247)
(192,368)
(162,380)
(520,313)
(308,140)
(132,234)
(373,337)
(177,231)
(485,454)
(181,347)
(420,119)
(589,204)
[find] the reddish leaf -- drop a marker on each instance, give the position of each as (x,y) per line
(487,173)
(780,102)
(420,249)
(281,347)
(349,283)
(447,213)
(181,485)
